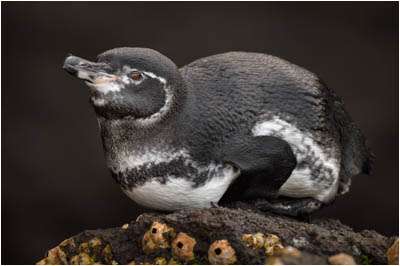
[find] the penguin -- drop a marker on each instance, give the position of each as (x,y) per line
(237,126)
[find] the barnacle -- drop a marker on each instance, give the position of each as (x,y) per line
(92,252)
(341,259)
(95,242)
(278,249)
(157,237)
(84,247)
(172,261)
(107,253)
(279,252)
(254,241)
(286,251)
(89,251)
(272,244)
(182,247)
(272,260)
(69,242)
(54,256)
(82,258)
(160,261)
(221,252)
(393,253)
(147,243)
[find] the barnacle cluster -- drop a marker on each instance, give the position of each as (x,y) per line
(254,241)
(272,246)
(164,245)
(57,254)
(161,236)
(91,252)
(276,252)
(54,256)
(182,245)
(271,243)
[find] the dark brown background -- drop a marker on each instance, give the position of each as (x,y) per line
(54,179)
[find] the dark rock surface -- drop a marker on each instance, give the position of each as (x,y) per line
(316,240)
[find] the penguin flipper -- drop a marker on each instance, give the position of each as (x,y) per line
(265,163)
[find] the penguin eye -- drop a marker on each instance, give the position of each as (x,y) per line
(136,76)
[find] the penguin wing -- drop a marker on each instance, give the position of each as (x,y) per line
(265,163)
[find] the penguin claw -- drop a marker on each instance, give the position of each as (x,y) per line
(214,204)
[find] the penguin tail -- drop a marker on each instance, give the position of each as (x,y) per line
(368,166)
(357,158)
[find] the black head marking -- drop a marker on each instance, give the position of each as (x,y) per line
(128,82)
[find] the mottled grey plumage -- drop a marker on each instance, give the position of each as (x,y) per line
(242,125)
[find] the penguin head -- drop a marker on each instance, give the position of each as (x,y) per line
(137,83)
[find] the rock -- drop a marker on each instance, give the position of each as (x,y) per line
(240,232)
(393,253)
(341,259)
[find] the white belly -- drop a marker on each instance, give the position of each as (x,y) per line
(180,193)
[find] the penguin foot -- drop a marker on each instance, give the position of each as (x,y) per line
(292,207)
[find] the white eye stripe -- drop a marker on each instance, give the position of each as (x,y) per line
(145,74)
(154,76)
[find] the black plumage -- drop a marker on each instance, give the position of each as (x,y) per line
(260,122)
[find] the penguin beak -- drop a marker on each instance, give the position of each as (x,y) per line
(91,72)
